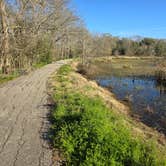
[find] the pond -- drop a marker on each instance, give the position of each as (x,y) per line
(145,96)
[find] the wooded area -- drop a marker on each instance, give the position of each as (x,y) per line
(38,31)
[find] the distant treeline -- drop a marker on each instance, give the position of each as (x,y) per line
(106,45)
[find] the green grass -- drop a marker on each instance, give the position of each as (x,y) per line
(64,70)
(5,78)
(39,65)
(89,133)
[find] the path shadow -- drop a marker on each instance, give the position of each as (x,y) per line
(47,132)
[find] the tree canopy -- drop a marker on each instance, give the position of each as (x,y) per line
(40,31)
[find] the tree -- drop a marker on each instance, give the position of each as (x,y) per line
(160,48)
(32,30)
(5,61)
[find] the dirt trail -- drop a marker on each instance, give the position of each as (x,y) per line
(23,120)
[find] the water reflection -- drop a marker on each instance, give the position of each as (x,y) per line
(146,95)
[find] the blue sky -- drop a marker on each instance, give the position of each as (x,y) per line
(124,17)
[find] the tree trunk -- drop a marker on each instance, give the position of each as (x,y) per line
(5,39)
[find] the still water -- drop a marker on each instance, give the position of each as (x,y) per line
(145,95)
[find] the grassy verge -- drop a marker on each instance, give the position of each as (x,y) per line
(39,65)
(9,77)
(6,78)
(88,132)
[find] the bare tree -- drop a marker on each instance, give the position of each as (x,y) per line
(5,62)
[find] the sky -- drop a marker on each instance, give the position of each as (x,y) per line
(124,18)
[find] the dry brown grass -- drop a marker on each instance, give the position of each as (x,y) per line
(124,66)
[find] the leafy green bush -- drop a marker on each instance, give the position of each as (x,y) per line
(89,133)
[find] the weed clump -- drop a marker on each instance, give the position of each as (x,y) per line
(64,70)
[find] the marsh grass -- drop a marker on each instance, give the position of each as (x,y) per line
(124,67)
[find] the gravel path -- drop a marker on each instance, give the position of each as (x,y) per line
(23,119)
